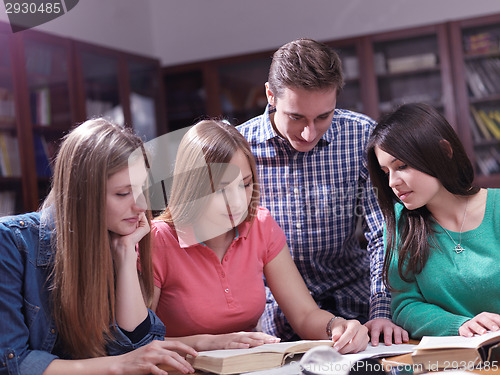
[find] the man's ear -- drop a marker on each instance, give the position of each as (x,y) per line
(445,145)
(271,99)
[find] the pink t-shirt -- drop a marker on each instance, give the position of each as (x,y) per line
(199,293)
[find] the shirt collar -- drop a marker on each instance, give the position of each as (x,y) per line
(187,238)
(45,234)
(267,132)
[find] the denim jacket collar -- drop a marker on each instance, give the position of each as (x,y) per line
(45,251)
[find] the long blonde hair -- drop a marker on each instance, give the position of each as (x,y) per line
(83,282)
(203,154)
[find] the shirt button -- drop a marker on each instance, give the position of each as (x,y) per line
(226,290)
(298,225)
(296,191)
(222,274)
(10,356)
(52,331)
(21,222)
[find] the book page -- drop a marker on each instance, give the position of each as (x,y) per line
(441,342)
(381,350)
(279,347)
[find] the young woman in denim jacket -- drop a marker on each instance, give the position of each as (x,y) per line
(71,299)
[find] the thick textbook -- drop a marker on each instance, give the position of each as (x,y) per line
(453,352)
(270,356)
(235,361)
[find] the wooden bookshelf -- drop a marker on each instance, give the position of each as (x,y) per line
(475,49)
(382,71)
(50,83)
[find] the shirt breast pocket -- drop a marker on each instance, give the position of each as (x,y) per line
(30,313)
(337,200)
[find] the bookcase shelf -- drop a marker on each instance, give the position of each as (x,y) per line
(413,65)
(350,52)
(495,98)
(475,48)
(45,84)
(382,71)
(186,98)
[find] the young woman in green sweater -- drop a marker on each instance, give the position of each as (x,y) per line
(442,233)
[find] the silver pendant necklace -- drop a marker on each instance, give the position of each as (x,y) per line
(458,246)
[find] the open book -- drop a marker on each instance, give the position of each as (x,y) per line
(235,361)
(270,356)
(454,352)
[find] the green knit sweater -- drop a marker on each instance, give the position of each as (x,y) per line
(452,288)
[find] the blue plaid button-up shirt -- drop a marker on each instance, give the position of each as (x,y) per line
(317,198)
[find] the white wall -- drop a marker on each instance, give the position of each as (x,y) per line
(121,24)
(179,31)
(190,30)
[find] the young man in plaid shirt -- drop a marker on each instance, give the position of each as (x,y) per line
(314,180)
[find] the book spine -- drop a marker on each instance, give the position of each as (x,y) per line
(490,124)
(6,165)
(41,157)
(480,124)
(7,203)
(409,63)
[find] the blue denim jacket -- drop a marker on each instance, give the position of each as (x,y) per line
(27,329)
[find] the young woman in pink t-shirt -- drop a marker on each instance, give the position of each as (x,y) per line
(213,246)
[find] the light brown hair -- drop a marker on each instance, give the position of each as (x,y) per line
(83,282)
(202,158)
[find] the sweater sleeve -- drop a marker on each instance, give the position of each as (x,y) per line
(411,311)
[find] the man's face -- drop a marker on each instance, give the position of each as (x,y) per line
(302,116)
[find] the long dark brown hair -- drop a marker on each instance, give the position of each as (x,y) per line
(418,135)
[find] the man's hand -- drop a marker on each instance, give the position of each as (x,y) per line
(390,330)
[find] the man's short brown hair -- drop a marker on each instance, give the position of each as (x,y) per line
(307,64)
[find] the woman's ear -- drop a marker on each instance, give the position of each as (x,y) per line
(445,145)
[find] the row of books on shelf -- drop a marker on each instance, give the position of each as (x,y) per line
(350,67)
(10,164)
(404,64)
(487,124)
(40,106)
(350,64)
(7,108)
(7,202)
(483,76)
(481,43)
(488,160)
(50,105)
(412,62)
(44,153)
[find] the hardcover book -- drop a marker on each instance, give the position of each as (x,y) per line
(439,352)
(235,361)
